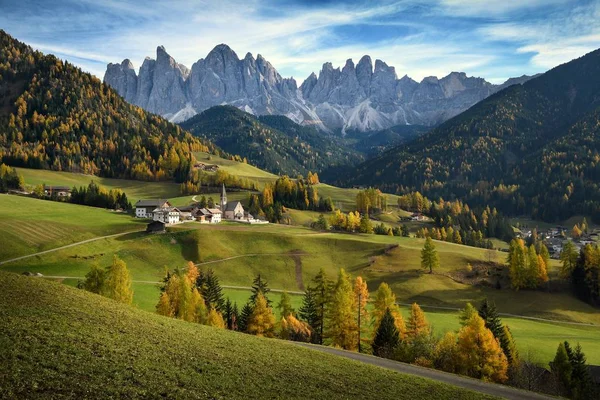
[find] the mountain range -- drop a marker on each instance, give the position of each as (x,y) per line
(364,97)
(530,149)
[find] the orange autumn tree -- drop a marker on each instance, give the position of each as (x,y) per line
(417,323)
(479,353)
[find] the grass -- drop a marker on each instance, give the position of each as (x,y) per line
(135,190)
(57,341)
(29,225)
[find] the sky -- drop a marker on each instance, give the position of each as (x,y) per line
(492,39)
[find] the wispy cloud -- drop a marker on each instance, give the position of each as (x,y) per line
(492,39)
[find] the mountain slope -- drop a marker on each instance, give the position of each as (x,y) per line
(58,341)
(364,98)
(531,148)
(274,143)
(54,116)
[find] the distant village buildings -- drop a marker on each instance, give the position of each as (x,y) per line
(57,191)
(163,213)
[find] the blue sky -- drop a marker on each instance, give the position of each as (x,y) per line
(493,39)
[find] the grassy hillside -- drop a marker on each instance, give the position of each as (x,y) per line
(61,342)
(135,190)
(30,225)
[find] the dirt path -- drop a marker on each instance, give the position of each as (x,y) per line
(67,246)
(296,256)
(476,385)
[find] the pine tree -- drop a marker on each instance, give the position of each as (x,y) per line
(262,320)
(117,285)
(94,279)
(561,368)
(210,288)
(309,312)
(417,323)
(429,256)
(245,317)
(322,287)
(480,354)
(285,305)
(488,312)
(581,382)
(341,321)
(384,300)
(386,337)
(260,286)
(466,314)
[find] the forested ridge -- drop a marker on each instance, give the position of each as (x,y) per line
(529,149)
(55,116)
(274,143)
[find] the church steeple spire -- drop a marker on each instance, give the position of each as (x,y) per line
(223,199)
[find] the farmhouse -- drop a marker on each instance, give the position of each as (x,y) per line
(167,215)
(145,208)
(58,191)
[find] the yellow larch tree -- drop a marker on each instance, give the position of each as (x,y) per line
(342,328)
(417,323)
(117,285)
(262,320)
(384,299)
(479,353)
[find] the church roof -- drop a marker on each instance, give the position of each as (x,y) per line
(232,205)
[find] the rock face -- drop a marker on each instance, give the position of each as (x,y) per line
(362,97)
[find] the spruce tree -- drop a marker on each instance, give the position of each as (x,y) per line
(210,288)
(488,312)
(245,317)
(309,312)
(322,293)
(561,368)
(387,336)
(259,285)
(581,382)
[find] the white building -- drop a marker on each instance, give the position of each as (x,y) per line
(145,208)
(168,215)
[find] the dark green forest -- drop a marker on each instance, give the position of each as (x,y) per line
(530,149)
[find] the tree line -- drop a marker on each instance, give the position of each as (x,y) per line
(198,179)
(68,120)
(582,270)
(92,195)
(10,179)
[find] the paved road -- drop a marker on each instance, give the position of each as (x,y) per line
(67,246)
(476,385)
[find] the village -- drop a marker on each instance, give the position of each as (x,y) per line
(164,214)
(555,238)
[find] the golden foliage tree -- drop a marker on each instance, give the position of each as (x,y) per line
(164,305)
(417,323)
(385,299)
(445,355)
(361,298)
(262,320)
(342,328)
(291,328)
(215,319)
(117,285)
(479,353)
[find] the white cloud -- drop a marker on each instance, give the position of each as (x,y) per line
(494,8)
